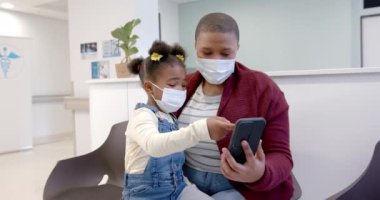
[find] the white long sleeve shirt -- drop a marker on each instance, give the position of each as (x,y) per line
(144,140)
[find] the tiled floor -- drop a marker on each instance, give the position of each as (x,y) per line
(23,174)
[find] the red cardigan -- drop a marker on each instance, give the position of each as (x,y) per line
(249,93)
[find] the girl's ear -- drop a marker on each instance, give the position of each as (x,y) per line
(148,87)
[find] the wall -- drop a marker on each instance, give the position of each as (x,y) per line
(51,121)
(50,71)
(334,123)
(51,59)
(169,21)
(92,21)
(280,34)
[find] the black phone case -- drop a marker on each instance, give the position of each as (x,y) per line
(249,129)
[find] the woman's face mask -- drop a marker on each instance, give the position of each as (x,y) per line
(171,99)
(216,52)
(215,71)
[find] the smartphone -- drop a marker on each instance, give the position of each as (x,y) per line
(249,129)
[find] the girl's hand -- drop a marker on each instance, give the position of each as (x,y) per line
(251,171)
(218,127)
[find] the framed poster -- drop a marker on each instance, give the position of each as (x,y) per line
(100,69)
(371,4)
(111,48)
(89,50)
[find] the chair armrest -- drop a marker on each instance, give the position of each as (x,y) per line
(81,171)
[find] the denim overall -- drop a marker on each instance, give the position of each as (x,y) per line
(163,176)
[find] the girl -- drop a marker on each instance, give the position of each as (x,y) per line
(154,146)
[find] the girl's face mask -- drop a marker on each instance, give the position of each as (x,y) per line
(171,100)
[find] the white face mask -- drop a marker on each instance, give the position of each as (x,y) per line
(215,71)
(171,100)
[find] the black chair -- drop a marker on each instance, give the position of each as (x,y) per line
(367,186)
(297,193)
(79,177)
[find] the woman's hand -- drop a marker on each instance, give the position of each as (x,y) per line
(218,127)
(251,171)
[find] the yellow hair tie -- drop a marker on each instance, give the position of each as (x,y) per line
(155,56)
(179,56)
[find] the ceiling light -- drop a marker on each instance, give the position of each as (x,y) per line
(7,5)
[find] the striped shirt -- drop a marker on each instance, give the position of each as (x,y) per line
(204,156)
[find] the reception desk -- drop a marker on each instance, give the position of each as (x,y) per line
(111,101)
(334,121)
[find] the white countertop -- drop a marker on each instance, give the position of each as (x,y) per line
(318,72)
(321,72)
(114,80)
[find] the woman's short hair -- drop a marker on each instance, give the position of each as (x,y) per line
(217,22)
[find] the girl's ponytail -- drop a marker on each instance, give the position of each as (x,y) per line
(178,52)
(159,50)
(135,65)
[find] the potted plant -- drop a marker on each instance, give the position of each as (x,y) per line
(127,41)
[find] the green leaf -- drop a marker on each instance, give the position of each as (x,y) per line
(117,33)
(124,46)
(132,42)
(128,29)
(136,22)
(120,34)
(134,37)
(132,51)
(128,24)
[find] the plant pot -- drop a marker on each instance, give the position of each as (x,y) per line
(122,70)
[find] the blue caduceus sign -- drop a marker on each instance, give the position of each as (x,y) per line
(5,60)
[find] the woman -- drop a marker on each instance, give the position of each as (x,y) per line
(226,88)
